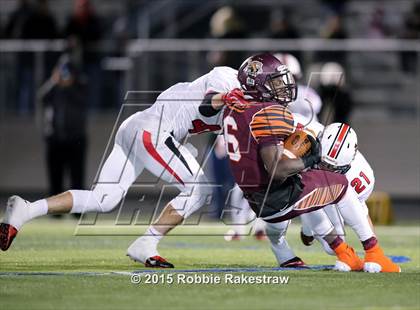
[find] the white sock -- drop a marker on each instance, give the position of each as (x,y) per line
(351,210)
(29,211)
(153,235)
(83,201)
(38,208)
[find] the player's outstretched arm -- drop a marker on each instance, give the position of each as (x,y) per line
(213,102)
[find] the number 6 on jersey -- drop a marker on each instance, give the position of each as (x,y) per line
(232,144)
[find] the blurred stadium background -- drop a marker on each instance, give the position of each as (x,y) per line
(126,45)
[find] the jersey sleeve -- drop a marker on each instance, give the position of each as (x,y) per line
(272,125)
(222,79)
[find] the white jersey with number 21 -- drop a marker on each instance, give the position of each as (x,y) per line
(360,176)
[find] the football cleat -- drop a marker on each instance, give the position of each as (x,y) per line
(158,262)
(306,240)
(347,259)
(295,262)
(142,249)
(16,214)
(7,234)
(376,261)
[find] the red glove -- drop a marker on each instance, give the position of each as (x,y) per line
(235,100)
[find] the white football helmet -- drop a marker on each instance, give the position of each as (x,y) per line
(338,147)
(292,63)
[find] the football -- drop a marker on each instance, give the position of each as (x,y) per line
(297,145)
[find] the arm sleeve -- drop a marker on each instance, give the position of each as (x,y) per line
(206,108)
(271,125)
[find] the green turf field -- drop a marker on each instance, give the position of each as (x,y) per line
(50,246)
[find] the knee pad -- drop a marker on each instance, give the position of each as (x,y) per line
(107,196)
(187,205)
(193,196)
(104,198)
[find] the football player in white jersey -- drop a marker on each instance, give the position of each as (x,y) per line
(146,140)
(308,103)
(349,161)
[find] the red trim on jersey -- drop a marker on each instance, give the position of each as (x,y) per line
(334,152)
(147,141)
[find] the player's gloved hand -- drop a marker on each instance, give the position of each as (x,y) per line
(235,100)
(314,155)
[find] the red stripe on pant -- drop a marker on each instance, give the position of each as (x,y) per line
(147,141)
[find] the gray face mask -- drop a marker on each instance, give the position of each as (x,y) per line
(338,169)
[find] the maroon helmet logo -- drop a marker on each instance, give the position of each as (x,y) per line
(254,68)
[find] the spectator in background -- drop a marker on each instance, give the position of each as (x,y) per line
(337,102)
(29,23)
(378,28)
(14,26)
(411,31)
(281,27)
(40,24)
(307,103)
(84,27)
(63,99)
(333,29)
(83,23)
(226,24)
(412,23)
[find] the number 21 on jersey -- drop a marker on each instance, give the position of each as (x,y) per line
(357,183)
(232,144)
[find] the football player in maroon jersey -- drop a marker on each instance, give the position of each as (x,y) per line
(280,188)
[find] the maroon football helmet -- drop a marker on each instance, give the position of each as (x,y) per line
(265,78)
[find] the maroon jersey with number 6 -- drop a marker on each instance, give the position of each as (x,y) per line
(246,131)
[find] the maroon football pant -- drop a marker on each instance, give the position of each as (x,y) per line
(320,188)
